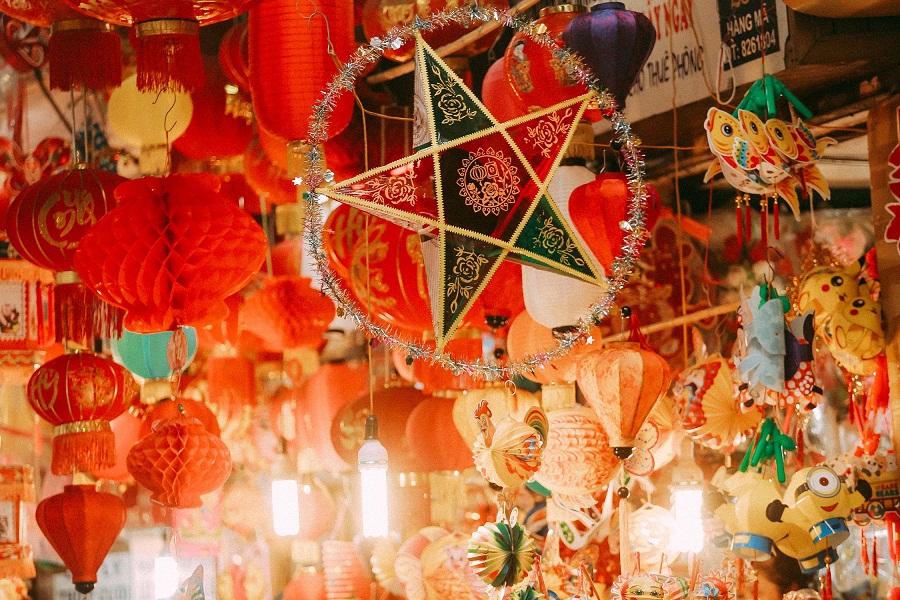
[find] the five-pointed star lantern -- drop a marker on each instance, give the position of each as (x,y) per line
(476,189)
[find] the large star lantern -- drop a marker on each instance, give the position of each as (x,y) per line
(476,189)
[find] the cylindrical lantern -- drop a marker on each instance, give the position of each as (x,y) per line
(614,43)
(290,64)
(234,55)
(80,394)
(16,488)
(345,576)
(179,462)
(81,524)
(45,224)
(145,354)
(622,382)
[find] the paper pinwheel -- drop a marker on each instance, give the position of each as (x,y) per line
(476,189)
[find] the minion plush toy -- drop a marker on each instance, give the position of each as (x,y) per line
(820,502)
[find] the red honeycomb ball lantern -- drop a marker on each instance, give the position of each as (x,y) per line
(179,462)
(169,409)
(288,313)
(80,394)
(81,524)
(171,252)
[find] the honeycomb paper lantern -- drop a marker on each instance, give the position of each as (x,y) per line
(81,524)
(345,576)
(179,462)
(169,409)
(171,252)
(444,576)
(80,394)
(408,561)
(288,313)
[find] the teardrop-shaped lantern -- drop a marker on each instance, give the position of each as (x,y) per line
(614,42)
(81,524)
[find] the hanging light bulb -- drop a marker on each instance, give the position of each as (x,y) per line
(165,572)
(285,498)
(687,504)
(373,464)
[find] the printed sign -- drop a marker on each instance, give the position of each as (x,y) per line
(743,25)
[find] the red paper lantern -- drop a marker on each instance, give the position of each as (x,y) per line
(380,16)
(80,394)
(498,94)
(213,133)
(502,299)
(81,524)
(231,384)
(127,430)
(393,405)
(179,462)
(83,52)
(305,586)
(165,35)
(267,179)
(171,252)
(434,440)
(45,224)
(169,409)
(598,208)
(465,345)
(327,391)
(290,65)
(234,55)
(288,313)
(537,78)
(344,226)
(529,338)
(236,189)
(287,257)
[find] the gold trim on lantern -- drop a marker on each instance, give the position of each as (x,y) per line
(166,27)
(85,24)
(562,8)
(82,427)
(67,277)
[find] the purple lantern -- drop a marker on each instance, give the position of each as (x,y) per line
(614,43)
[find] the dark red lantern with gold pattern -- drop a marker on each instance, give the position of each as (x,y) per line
(80,394)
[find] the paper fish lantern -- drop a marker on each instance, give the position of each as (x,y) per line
(817,500)
(707,399)
(622,382)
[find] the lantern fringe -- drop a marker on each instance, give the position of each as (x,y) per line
(85,58)
(83,451)
(79,314)
(169,61)
(17,562)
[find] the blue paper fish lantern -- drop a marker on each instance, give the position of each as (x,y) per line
(145,355)
(615,43)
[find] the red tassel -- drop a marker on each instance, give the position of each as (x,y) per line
(864,550)
(747,222)
(874,569)
(739,584)
(168,55)
(83,451)
(801,448)
(776,220)
(79,314)
(85,53)
(737,218)
(764,223)
(826,591)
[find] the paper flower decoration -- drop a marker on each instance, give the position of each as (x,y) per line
(501,553)
(179,462)
(707,398)
(170,252)
(489,198)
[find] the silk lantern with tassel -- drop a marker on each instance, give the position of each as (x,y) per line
(46,223)
(622,382)
(81,524)
(83,51)
(171,252)
(179,462)
(615,43)
(80,394)
(164,35)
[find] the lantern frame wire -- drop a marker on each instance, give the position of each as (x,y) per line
(316,174)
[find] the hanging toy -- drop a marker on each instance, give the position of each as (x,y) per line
(762,366)
(510,453)
(501,552)
(801,388)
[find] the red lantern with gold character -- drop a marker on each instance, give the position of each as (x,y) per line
(80,394)
(45,224)
(179,462)
(81,524)
(171,252)
(165,35)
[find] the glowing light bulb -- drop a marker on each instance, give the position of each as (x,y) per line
(373,464)
(165,576)
(687,512)
(285,499)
